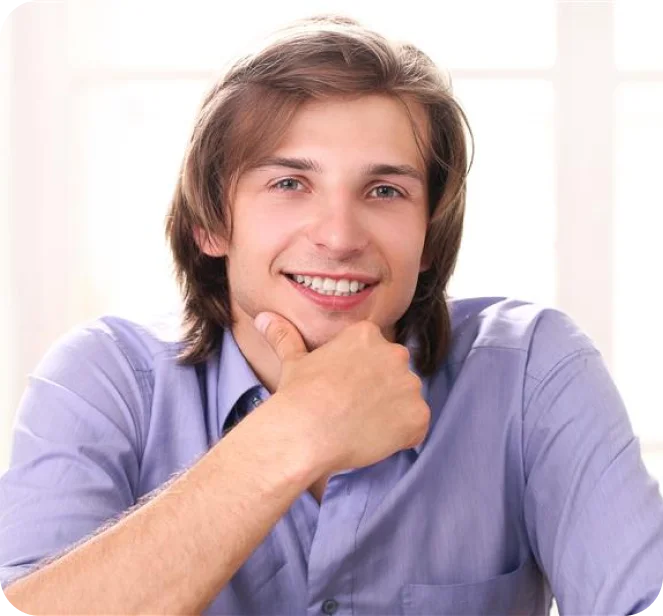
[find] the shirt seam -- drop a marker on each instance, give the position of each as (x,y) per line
(567,359)
(170,348)
(497,347)
(140,375)
(114,339)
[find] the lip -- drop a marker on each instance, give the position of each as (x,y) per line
(348,276)
(337,303)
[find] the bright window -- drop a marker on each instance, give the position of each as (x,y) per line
(638,41)
(638,292)
(508,246)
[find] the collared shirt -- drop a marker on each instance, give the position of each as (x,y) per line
(530,480)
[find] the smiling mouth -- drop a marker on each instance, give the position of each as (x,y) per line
(292,277)
(332,293)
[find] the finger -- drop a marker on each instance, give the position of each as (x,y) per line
(281,334)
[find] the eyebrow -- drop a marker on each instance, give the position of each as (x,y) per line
(306,164)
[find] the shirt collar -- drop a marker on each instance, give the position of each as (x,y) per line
(236,377)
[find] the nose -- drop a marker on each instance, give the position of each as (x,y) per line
(338,228)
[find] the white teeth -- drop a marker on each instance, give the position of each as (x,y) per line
(328,286)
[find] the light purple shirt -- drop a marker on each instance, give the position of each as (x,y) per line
(530,482)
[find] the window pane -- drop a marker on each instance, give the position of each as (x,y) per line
(130,143)
(204,35)
(638,41)
(638,293)
(509,239)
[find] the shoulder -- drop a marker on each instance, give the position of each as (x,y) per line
(101,373)
(543,335)
(111,338)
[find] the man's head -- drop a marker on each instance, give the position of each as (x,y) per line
(332,151)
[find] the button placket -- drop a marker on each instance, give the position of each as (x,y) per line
(330,570)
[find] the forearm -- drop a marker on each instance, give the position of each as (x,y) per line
(175,553)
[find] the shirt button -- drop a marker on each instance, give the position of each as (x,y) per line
(256,401)
(329,606)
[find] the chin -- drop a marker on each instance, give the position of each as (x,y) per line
(314,341)
(315,337)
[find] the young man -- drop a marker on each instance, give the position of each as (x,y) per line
(411,454)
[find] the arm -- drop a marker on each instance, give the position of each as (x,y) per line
(80,469)
(75,468)
(593,514)
(117,571)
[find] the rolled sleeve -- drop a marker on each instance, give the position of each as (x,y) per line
(76,450)
(593,514)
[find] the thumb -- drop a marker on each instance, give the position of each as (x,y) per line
(281,334)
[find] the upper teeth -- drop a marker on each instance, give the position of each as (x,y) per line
(329,285)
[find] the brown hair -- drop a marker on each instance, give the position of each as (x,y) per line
(247,112)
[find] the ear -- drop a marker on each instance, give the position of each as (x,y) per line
(211,245)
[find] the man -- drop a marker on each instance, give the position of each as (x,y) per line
(328,434)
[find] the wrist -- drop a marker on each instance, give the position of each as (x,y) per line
(303,458)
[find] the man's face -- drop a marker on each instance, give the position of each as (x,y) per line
(316,207)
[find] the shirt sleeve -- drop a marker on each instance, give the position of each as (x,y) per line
(593,514)
(76,450)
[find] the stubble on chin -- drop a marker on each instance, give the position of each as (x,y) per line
(316,341)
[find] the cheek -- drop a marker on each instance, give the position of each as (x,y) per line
(407,260)
(257,240)
(406,245)
(271,232)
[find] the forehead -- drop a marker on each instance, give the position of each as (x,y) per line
(369,125)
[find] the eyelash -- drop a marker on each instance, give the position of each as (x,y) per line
(275,186)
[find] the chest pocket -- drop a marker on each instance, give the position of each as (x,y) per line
(517,592)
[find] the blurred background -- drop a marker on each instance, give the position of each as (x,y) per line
(565,99)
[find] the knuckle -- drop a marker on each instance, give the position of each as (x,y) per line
(401,352)
(425,414)
(422,422)
(414,380)
(369,327)
(365,330)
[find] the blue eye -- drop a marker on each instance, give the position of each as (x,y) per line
(285,184)
(390,193)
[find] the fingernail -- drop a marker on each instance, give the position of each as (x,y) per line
(261,322)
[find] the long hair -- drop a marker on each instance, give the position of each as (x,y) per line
(247,112)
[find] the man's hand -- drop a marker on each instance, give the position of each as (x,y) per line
(354,397)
